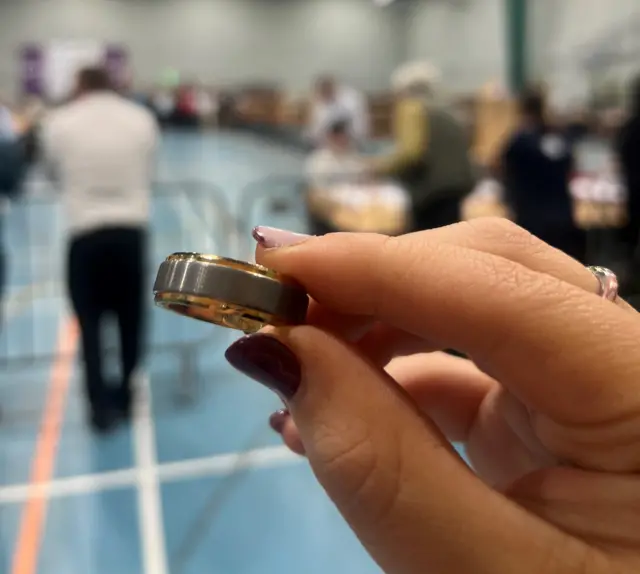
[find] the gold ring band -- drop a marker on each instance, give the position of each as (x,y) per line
(229,293)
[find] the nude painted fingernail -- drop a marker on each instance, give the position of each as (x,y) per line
(270,237)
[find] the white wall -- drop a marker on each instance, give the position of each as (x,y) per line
(465,38)
(287,41)
(566,32)
(563,30)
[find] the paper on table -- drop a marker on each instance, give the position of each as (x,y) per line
(598,189)
(361,195)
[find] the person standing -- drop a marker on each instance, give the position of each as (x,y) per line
(628,155)
(431,158)
(537,166)
(332,102)
(101,147)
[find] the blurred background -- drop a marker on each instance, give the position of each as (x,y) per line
(285,113)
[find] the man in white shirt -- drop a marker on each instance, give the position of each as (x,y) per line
(8,128)
(333,102)
(102,147)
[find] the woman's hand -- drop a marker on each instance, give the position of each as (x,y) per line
(549,410)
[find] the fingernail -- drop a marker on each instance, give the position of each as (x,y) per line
(278,419)
(267,361)
(270,237)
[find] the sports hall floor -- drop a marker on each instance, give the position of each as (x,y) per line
(198,483)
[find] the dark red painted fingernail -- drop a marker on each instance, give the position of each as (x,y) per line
(278,419)
(267,361)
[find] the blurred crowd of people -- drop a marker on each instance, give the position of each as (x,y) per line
(429,158)
(531,177)
(99,148)
(186,106)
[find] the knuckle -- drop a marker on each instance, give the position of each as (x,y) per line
(394,249)
(508,275)
(500,279)
(499,274)
(494,226)
(504,231)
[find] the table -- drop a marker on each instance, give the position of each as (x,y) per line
(374,208)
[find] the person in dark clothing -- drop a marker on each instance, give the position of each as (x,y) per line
(95,260)
(537,166)
(12,166)
(12,171)
(628,153)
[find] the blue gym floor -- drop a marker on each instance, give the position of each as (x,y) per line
(198,483)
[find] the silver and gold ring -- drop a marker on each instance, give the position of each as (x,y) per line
(229,293)
(608,284)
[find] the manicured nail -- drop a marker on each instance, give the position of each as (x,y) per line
(278,419)
(270,237)
(268,361)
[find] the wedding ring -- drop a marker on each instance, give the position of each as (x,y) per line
(607,281)
(229,293)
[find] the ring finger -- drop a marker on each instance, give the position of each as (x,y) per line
(503,238)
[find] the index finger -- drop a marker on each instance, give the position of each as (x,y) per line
(529,330)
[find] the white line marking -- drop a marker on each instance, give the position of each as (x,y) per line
(225,464)
(216,465)
(23,298)
(76,485)
(151,523)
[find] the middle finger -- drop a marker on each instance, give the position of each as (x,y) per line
(503,238)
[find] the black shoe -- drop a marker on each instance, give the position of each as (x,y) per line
(124,412)
(122,406)
(103,421)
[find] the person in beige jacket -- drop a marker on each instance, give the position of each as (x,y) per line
(431,154)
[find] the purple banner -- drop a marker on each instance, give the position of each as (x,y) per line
(32,70)
(116,62)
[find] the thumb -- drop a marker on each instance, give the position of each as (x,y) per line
(411,500)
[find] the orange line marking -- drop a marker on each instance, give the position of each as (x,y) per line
(25,556)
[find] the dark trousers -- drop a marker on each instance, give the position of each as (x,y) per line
(3,279)
(106,275)
(184,120)
(438,213)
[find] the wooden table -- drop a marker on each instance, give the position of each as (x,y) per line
(360,208)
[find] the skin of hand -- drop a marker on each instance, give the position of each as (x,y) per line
(549,407)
